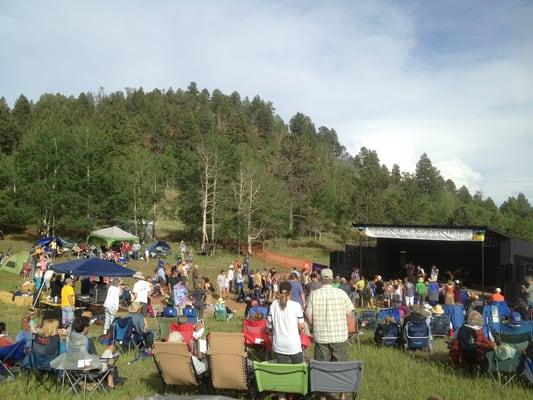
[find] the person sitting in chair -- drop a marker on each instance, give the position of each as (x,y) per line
(470,344)
(389,328)
(140,325)
(77,340)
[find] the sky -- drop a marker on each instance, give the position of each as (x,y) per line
(453,79)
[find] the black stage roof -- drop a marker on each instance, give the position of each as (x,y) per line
(492,258)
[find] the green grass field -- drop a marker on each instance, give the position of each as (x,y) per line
(388,373)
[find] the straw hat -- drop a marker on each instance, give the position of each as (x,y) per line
(438,310)
(138,275)
(134,307)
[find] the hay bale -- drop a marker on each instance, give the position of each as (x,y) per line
(20,301)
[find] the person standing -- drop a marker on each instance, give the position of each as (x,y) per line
(286,322)
(421,291)
(328,311)
(53,249)
(409,292)
(183,250)
(68,302)
(221,282)
(111,303)
(180,296)
(297,291)
(141,291)
(230,284)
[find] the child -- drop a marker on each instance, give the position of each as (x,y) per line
(108,359)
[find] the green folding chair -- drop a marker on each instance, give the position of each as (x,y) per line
(285,378)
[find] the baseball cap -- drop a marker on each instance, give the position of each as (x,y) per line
(326,273)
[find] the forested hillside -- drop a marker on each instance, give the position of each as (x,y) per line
(225,167)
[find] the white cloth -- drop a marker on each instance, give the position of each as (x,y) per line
(112,300)
(221,281)
(286,336)
(141,290)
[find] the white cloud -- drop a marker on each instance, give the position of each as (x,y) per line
(461,173)
(448,81)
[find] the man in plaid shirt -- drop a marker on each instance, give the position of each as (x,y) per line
(327,312)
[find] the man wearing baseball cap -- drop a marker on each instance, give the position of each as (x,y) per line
(68,302)
(328,311)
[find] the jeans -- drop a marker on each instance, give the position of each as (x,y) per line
(67,316)
(110,314)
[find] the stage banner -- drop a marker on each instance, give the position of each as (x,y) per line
(421,233)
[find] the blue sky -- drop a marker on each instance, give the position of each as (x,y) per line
(453,79)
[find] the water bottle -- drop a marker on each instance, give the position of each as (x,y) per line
(55,299)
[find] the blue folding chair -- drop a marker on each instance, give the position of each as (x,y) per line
(191,314)
(123,334)
(389,312)
(11,356)
(257,310)
(457,314)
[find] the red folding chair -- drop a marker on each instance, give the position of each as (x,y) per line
(186,330)
(257,340)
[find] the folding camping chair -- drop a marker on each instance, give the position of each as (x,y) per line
(456,313)
(510,367)
(388,312)
(227,361)
(100,379)
(367,319)
(124,335)
(440,325)
(354,333)
(252,311)
(416,335)
(163,329)
(191,314)
(186,331)
(335,377)
(174,364)
(43,351)
(258,342)
(11,356)
(285,378)
(220,312)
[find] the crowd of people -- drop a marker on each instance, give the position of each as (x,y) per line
(300,302)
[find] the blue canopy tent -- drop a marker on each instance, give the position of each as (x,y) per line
(92,267)
(159,247)
(46,240)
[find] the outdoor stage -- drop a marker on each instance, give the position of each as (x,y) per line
(482,257)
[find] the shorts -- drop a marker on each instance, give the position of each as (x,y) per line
(297,358)
(67,316)
(331,351)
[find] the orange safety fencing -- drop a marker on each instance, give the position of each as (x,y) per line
(281,260)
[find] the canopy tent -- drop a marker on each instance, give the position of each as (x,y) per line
(92,267)
(15,262)
(159,247)
(111,235)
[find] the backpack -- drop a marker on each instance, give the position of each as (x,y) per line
(467,343)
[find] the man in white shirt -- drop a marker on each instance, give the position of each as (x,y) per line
(230,278)
(111,303)
(286,321)
(141,291)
